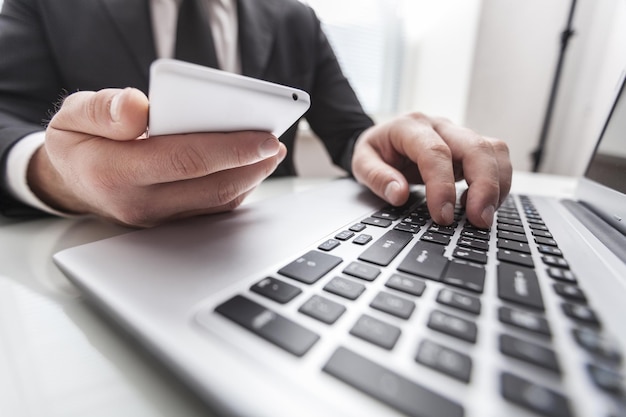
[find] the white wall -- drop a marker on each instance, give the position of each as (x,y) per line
(515,59)
(596,61)
(516,52)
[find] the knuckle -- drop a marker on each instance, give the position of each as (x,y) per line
(439,150)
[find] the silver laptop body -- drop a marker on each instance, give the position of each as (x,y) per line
(284,308)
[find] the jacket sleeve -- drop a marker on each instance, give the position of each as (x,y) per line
(28,85)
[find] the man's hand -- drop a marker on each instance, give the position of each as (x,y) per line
(95,160)
(433,151)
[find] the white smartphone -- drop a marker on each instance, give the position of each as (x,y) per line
(190,98)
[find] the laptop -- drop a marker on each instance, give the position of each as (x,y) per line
(330,303)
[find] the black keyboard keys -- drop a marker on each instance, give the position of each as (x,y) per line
(277,290)
(450,362)
(271,326)
(376,331)
(387,386)
(425,259)
(534,397)
(310,267)
(529,352)
(453,326)
(385,249)
(519,285)
(465,275)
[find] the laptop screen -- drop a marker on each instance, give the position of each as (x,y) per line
(608,163)
(603,187)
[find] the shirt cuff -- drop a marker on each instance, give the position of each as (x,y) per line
(17,167)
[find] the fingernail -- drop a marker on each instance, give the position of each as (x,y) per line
(269,148)
(447,213)
(114,110)
(487,215)
(391,190)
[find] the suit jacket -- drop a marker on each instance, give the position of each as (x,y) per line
(52,48)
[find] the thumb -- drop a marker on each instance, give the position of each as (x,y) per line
(111,113)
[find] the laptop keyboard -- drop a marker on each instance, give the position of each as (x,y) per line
(485,286)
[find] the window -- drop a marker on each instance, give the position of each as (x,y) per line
(367,36)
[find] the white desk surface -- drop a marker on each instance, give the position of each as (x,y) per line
(58,358)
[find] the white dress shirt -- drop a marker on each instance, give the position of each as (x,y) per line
(164,15)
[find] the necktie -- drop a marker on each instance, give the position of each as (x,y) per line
(194,42)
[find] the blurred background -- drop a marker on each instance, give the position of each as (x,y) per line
(487,64)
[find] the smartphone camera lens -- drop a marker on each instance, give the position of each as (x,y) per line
(294,96)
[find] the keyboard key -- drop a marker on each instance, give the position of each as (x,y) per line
(344,235)
(376,331)
(571,292)
(581,313)
(562,274)
(444,230)
(513,245)
(515,257)
(271,326)
(555,261)
(535,226)
(529,352)
(362,239)
(453,326)
(471,255)
(386,248)
(468,242)
(524,320)
(394,305)
(545,241)
(361,270)
(459,301)
(510,228)
(534,397)
(329,245)
(436,238)
(345,288)
(512,222)
(519,285)
(597,344)
(359,227)
(276,290)
(310,267)
(407,227)
(541,233)
(405,284)
(549,250)
(474,233)
(387,386)
(425,259)
(322,309)
(465,275)
(372,221)
(386,214)
(450,362)
(606,379)
(518,237)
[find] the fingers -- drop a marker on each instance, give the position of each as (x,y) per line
(111,113)
(101,165)
(438,152)
(219,192)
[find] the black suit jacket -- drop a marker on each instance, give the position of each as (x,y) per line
(50,48)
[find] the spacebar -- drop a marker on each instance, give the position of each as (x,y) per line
(389,387)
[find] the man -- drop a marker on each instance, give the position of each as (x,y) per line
(89,159)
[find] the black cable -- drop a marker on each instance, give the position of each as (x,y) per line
(537,154)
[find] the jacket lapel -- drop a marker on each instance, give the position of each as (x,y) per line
(132,19)
(256,34)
